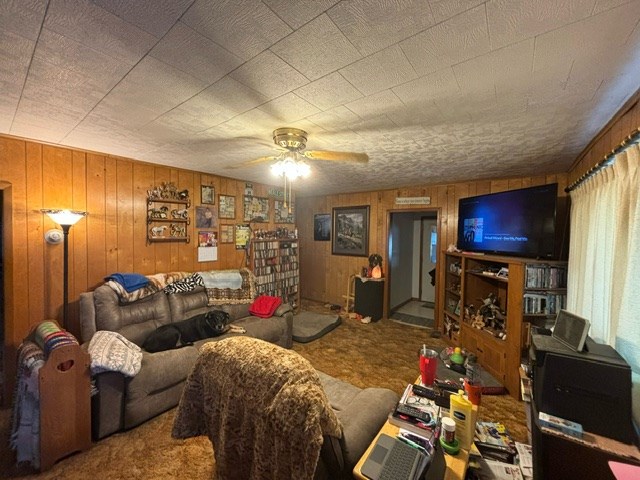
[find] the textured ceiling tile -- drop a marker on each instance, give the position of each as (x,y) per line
(155,86)
(335,119)
(53,85)
(380,71)
(316,49)
(269,75)
(374,25)
(441,84)
(506,70)
(420,113)
(586,39)
(166,13)
(462,37)
(376,104)
(66,53)
(604,5)
(94,27)
(22,17)
(206,60)
(254,123)
(329,91)
(513,20)
(51,132)
(289,108)
(15,56)
(299,12)
(243,27)
(445,9)
(229,95)
(33,112)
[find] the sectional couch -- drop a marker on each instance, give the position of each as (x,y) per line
(124,402)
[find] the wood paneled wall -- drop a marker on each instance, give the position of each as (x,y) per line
(324,276)
(112,238)
(626,121)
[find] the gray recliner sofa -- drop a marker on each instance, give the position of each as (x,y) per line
(125,402)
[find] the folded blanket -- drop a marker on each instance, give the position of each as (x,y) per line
(222,279)
(130,281)
(110,351)
(262,406)
(233,296)
(49,336)
(156,283)
(25,425)
(264,306)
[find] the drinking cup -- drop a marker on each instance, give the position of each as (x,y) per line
(428,365)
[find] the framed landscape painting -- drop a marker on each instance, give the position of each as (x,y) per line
(350,231)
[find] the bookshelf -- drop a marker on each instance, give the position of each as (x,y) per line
(275,264)
(490,304)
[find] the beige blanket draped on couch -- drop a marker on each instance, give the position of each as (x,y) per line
(263,408)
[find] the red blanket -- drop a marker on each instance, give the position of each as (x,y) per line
(265,306)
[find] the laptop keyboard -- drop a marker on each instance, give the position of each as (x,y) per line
(400,463)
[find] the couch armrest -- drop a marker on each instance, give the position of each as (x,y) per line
(282,310)
(361,421)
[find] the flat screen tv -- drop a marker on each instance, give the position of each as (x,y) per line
(516,222)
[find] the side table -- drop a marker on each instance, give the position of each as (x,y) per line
(456,464)
(369,297)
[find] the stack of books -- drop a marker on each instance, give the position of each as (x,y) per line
(416,413)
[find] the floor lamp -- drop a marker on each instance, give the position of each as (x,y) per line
(66,219)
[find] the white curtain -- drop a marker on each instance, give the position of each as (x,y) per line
(604,257)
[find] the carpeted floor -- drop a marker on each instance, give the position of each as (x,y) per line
(382,354)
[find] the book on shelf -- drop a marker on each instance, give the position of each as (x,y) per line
(494,442)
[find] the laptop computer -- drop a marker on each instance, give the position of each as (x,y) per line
(392,459)
(571,330)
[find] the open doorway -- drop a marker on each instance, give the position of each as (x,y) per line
(412,254)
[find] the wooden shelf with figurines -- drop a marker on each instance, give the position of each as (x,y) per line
(164,207)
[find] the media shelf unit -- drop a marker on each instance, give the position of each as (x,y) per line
(275,263)
(529,294)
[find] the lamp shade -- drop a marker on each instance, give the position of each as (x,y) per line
(64,217)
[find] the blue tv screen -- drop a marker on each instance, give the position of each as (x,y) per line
(516,222)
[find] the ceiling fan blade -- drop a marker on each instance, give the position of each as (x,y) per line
(257,161)
(337,156)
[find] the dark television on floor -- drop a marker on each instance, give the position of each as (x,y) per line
(516,222)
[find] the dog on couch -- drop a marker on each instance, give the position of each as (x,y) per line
(180,334)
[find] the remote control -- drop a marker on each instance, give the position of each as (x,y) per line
(424,392)
(414,412)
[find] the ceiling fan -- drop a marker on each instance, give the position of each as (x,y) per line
(293,142)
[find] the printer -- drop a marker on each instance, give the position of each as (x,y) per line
(591,387)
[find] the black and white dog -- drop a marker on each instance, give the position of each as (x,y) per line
(180,334)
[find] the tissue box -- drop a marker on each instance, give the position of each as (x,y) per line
(556,423)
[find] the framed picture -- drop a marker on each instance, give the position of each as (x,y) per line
(207,195)
(322,227)
(206,217)
(256,209)
(227,206)
(243,232)
(207,239)
(350,231)
(283,214)
(226,233)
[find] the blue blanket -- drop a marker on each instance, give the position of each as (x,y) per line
(130,281)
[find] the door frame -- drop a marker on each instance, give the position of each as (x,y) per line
(387,288)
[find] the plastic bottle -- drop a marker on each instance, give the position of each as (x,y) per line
(461,411)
